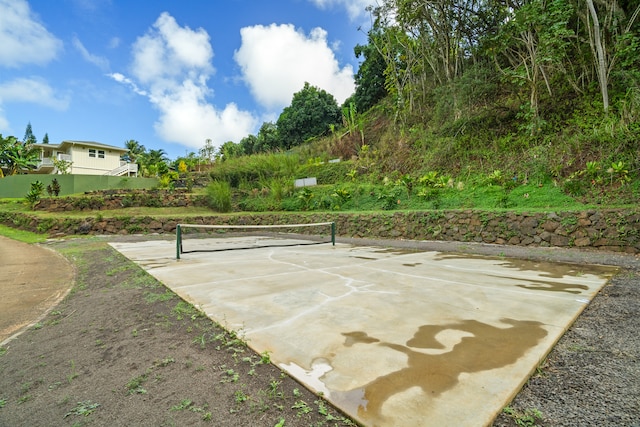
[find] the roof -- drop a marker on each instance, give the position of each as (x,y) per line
(85,143)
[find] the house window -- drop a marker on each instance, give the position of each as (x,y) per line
(96,153)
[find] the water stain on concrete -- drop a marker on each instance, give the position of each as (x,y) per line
(358,337)
(413,264)
(552,270)
(397,251)
(542,285)
(483,347)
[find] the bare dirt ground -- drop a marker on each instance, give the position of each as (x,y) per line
(120,349)
(33,280)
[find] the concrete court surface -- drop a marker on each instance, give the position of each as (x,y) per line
(391,337)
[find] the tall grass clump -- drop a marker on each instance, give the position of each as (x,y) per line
(255,167)
(219,196)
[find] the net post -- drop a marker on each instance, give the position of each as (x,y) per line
(178,240)
(333,233)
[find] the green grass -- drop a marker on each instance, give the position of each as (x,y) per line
(21,235)
(370,197)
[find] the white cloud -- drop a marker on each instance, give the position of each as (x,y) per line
(186,119)
(277,60)
(355,8)
(24,40)
(171,66)
(168,51)
(33,90)
(98,61)
(121,78)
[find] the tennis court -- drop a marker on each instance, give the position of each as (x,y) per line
(391,337)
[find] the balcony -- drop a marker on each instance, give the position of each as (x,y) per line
(46,165)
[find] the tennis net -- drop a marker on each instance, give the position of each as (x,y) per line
(212,238)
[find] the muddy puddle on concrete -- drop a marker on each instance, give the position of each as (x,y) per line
(481,347)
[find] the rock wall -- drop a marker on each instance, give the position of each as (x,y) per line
(612,230)
(118,199)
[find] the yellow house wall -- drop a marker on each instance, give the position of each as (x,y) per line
(85,165)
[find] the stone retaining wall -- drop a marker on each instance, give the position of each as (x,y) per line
(118,199)
(612,230)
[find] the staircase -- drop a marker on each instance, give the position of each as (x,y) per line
(124,169)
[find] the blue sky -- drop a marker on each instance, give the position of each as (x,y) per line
(169,74)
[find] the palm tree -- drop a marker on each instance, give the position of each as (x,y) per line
(135,150)
(153,162)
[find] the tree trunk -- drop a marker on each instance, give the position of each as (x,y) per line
(601,66)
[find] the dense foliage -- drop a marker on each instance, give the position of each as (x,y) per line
(521,104)
(17,156)
(452,96)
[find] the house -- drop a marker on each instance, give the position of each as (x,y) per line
(84,158)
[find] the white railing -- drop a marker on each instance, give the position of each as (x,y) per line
(47,162)
(124,169)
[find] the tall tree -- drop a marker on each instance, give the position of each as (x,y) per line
(532,43)
(609,25)
(310,115)
(29,137)
(230,150)
(268,137)
(135,150)
(208,151)
(370,78)
(45,138)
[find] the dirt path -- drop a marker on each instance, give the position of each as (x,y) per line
(33,279)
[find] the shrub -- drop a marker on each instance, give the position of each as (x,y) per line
(219,196)
(53,189)
(33,196)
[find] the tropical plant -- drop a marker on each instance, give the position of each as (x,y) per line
(62,166)
(153,163)
(620,170)
(305,196)
(408,182)
(16,156)
(53,189)
(35,192)
(135,150)
(219,196)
